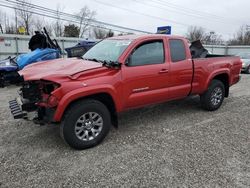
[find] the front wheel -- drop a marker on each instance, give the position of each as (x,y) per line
(85,124)
(212,99)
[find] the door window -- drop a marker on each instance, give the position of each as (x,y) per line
(147,54)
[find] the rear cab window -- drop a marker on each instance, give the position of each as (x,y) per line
(177,50)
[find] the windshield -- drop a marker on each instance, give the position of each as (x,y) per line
(244,55)
(107,50)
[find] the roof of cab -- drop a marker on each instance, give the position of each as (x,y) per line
(145,36)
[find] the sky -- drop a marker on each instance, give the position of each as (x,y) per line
(222,16)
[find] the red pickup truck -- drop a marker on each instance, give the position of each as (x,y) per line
(117,74)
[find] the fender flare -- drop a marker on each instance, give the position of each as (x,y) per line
(216,73)
(82,93)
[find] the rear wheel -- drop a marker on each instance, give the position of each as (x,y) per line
(212,99)
(85,124)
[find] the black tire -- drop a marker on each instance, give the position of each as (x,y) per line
(209,100)
(74,114)
(248,70)
(2,83)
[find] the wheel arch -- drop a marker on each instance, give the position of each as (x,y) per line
(105,97)
(224,78)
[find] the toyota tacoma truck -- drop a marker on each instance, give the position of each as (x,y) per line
(120,73)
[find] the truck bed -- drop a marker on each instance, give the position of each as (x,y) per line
(212,65)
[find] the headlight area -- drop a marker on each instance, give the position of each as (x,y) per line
(39,96)
(48,98)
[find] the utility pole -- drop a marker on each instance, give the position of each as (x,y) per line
(1,28)
(16,21)
(211,38)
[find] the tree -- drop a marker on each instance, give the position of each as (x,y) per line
(9,26)
(102,34)
(110,33)
(1,22)
(58,25)
(99,33)
(25,17)
(71,30)
(198,33)
(213,38)
(39,24)
(242,37)
(122,34)
(48,27)
(86,16)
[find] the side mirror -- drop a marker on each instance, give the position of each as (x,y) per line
(128,61)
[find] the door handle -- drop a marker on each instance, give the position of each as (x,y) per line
(163,71)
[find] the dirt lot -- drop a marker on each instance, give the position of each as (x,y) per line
(176,144)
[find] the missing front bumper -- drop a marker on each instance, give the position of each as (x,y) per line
(28,111)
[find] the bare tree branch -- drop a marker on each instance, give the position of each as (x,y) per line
(198,33)
(58,26)
(40,23)
(25,17)
(86,16)
(102,34)
(1,21)
(242,37)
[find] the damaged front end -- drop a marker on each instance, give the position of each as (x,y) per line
(35,96)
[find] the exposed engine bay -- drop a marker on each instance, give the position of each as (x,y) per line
(35,96)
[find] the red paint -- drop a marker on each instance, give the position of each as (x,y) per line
(132,87)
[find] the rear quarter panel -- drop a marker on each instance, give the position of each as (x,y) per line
(208,68)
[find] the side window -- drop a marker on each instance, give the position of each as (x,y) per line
(148,53)
(177,50)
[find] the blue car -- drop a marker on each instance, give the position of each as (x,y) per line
(80,49)
(42,49)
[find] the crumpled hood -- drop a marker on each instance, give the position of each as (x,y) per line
(57,68)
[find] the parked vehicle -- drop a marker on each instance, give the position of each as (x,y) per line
(42,48)
(80,49)
(117,74)
(245,57)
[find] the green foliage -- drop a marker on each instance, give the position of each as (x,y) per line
(71,30)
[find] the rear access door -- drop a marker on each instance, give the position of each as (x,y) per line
(181,69)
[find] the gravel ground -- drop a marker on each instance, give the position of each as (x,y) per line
(175,144)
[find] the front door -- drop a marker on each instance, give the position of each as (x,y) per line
(146,76)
